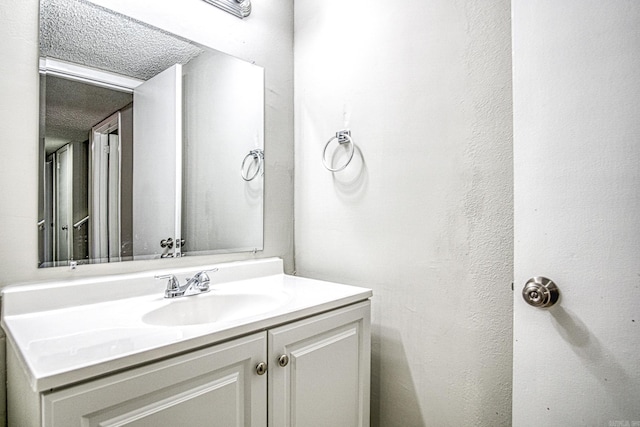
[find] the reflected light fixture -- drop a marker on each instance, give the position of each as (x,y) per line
(239,8)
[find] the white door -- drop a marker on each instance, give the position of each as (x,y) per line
(577,211)
(157,160)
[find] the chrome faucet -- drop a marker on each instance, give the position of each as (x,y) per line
(198,284)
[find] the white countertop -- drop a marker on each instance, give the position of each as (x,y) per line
(60,343)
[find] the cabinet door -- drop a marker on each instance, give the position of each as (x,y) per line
(217,386)
(325,382)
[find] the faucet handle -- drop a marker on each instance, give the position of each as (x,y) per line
(201,279)
(173,284)
(202,276)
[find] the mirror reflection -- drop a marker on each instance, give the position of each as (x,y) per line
(151,146)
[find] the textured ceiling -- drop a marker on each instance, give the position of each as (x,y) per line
(87,34)
(73,108)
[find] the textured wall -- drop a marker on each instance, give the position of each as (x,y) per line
(266,37)
(423,215)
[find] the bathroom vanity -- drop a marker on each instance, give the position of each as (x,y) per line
(261,348)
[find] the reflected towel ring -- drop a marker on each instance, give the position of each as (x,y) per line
(343,137)
(255,155)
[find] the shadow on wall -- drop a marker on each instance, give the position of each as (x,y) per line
(351,182)
(393,392)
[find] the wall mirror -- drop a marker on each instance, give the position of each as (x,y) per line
(151,146)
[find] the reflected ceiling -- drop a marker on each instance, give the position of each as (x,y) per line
(87,34)
(73,108)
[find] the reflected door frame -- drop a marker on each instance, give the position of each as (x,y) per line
(63,212)
(104,195)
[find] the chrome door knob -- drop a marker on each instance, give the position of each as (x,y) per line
(540,292)
(166,243)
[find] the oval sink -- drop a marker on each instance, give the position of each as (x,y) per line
(213,307)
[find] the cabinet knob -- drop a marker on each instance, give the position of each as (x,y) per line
(283,360)
(261,368)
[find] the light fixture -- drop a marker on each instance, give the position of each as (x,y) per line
(239,8)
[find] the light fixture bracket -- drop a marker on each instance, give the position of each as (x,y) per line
(239,8)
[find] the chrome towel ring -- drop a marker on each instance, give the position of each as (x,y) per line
(256,155)
(343,137)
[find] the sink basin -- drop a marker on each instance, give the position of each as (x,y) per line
(213,307)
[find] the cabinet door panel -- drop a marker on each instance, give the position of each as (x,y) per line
(324,379)
(326,382)
(215,400)
(214,387)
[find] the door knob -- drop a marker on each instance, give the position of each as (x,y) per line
(540,292)
(166,243)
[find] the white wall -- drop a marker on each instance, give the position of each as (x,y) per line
(424,214)
(265,37)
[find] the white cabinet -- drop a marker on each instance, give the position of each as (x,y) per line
(325,378)
(217,386)
(324,382)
